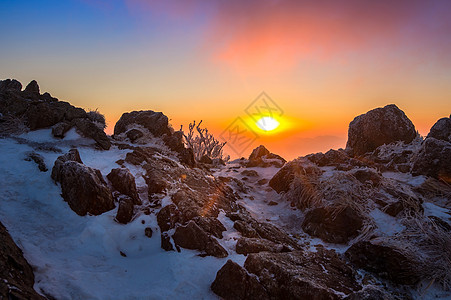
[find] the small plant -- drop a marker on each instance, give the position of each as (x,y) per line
(10,124)
(203,142)
(98,118)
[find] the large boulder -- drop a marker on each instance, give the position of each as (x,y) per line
(261,157)
(155,122)
(125,210)
(124,182)
(297,168)
(83,188)
(433,159)
(333,224)
(10,85)
(192,236)
(92,130)
(291,275)
(386,261)
(378,127)
(16,275)
(233,282)
(441,130)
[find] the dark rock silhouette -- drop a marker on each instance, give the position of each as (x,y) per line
(17,278)
(156,122)
(377,127)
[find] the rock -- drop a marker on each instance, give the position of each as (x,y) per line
(32,88)
(255,245)
(10,85)
(148,232)
(261,157)
(384,260)
(441,130)
(249,173)
(263,181)
(205,159)
(302,275)
(134,134)
(367,175)
(232,282)
(59,129)
(297,168)
(377,127)
(174,141)
(42,115)
(211,225)
(330,158)
(372,293)
(17,278)
(125,210)
(168,217)
(82,187)
(38,159)
(333,224)
(186,157)
(166,242)
(194,237)
(91,130)
(155,122)
(124,182)
(433,160)
(272,203)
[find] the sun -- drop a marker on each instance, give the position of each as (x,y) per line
(267,123)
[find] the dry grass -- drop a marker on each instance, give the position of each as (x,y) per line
(304,193)
(12,125)
(98,118)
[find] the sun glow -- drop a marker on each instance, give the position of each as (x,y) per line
(267,123)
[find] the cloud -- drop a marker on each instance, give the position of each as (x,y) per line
(278,34)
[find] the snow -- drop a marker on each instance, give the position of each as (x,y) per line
(386,224)
(405,178)
(79,257)
(430,209)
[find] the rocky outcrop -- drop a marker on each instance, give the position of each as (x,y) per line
(377,127)
(16,275)
(156,122)
(233,282)
(297,168)
(433,158)
(291,275)
(83,188)
(384,260)
(42,111)
(261,157)
(333,224)
(124,182)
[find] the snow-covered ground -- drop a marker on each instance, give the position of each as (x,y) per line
(78,257)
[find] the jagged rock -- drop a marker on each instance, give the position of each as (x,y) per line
(261,157)
(91,130)
(32,88)
(377,127)
(211,225)
(175,141)
(372,293)
(384,260)
(367,175)
(249,173)
(166,242)
(194,237)
(155,122)
(16,275)
(433,159)
(291,275)
(186,157)
(232,282)
(156,185)
(168,217)
(297,168)
(333,224)
(125,210)
(441,130)
(38,159)
(10,85)
(42,115)
(255,245)
(59,129)
(82,187)
(134,134)
(124,182)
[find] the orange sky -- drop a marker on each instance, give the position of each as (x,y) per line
(322,63)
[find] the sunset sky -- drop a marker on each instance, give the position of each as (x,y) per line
(321,62)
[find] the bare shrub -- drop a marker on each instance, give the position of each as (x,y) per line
(98,118)
(10,124)
(203,142)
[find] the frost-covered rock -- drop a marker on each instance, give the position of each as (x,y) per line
(16,275)
(441,130)
(377,127)
(125,209)
(333,224)
(256,245)
(83,188)
(297,168)
(261,157)
(433,159)
(387,261)
(155,122)
(124,182)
